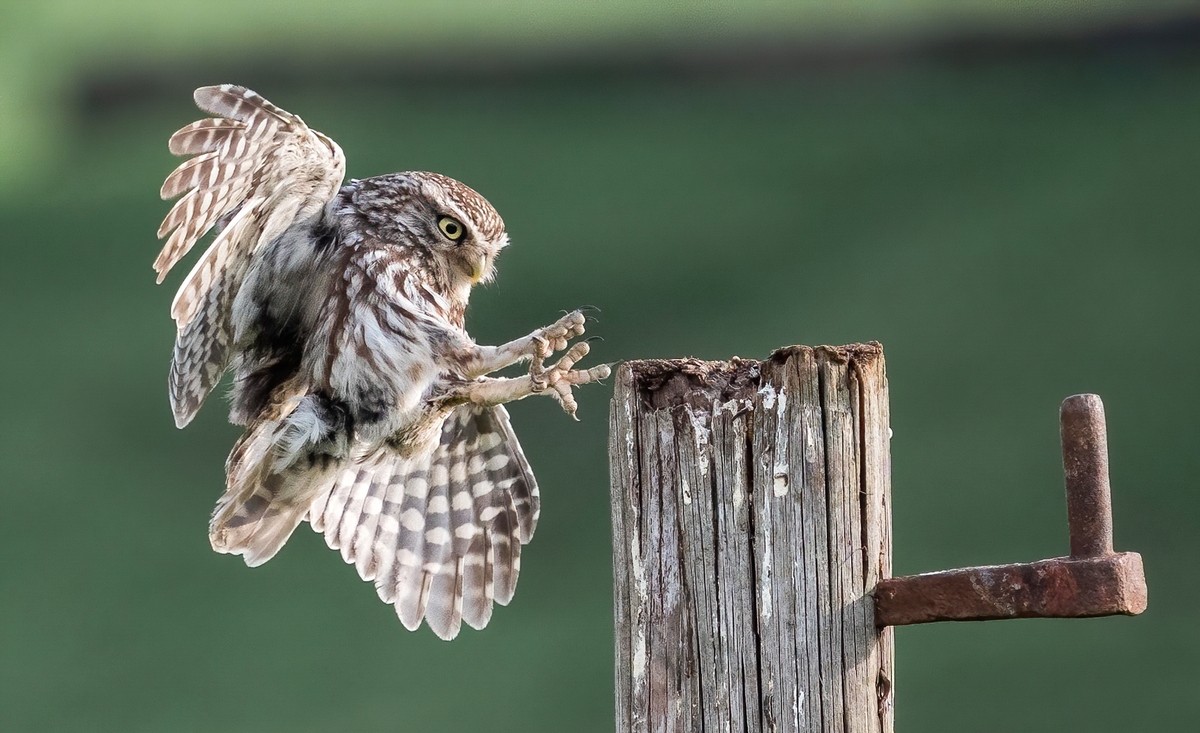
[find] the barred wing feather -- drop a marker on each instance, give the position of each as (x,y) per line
(439,534)
(259,169)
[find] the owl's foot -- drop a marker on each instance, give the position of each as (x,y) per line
(552,338)
(557,380)
(561,331)
(560,378)
(478,361)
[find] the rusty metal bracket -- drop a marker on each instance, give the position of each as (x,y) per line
(1092,581)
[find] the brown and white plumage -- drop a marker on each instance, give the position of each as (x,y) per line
(368,409)
(440,534)
(267,170)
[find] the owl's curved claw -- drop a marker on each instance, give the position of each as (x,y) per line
(560,378)
(552,338)
(588,310)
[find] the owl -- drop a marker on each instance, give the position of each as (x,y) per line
(368,409)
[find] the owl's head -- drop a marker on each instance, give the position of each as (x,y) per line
(452,228)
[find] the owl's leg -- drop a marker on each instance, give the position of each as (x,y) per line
(482,360)
(556,380)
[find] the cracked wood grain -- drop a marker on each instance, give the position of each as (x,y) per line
(751,519)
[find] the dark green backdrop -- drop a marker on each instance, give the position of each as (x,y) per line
(1013,230)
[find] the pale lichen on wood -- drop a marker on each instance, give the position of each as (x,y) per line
(751,515)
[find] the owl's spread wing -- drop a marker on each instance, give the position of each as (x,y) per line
(257,169)
(440,534)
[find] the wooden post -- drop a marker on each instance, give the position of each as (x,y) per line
(751,519)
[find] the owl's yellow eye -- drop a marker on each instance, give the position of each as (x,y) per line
(451,227)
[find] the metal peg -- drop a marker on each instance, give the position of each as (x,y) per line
(1092,581)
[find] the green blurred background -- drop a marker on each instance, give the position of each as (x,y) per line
(1004,194)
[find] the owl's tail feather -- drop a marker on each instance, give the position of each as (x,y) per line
(274,473)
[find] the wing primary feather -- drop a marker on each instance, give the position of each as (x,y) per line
(200,357)
(387,532)
(506,553)
(336,506)
(476,583)
(362,546)
(343,538)
(404,583)
(238,103)
(188,175)
(439,561)
(316,512)
(203,136)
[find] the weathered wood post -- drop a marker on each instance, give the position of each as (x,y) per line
(752,545)
(751,520)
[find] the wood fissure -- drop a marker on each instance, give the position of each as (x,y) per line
(750,523)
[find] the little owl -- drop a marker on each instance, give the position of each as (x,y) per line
(367,408)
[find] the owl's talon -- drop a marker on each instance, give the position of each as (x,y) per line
(546,341)
(562,377)
(558,379)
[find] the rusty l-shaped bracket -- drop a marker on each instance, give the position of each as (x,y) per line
(1092,581)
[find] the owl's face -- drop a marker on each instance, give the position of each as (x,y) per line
(449,223)
(471,233)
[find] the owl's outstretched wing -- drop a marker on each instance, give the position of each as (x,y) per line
(441,533)
(257,170)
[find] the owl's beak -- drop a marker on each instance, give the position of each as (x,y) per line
(479,269)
